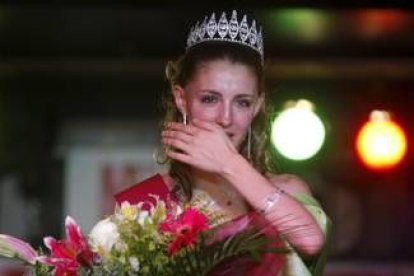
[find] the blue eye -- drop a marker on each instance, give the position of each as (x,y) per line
(208,99)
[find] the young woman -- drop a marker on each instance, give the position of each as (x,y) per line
(216,140)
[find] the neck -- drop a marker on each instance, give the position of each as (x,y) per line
(203,177)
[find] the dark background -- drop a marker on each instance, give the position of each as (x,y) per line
(69,60)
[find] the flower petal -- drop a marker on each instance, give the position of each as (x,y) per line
(49,242)
(197,220)
(10,247)
(59,262)
(104,235)
(74,235)
(60,249)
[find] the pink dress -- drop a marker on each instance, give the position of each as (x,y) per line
(271,264)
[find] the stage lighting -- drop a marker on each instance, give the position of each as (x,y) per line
(298,133)
(381,143)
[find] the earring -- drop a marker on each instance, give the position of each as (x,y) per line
(249,142)
(184,119)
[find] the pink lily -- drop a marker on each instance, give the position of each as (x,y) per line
(11,247)
(69,254)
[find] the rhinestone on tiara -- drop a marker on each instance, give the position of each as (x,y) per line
(230,30)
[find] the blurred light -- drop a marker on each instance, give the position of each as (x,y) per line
(298,133)
(381,22)
(310,25)
(381,143)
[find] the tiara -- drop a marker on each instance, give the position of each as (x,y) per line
(227,30)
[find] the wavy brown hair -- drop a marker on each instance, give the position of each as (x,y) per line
(181,72)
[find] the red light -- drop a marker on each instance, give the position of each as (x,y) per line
(381,22)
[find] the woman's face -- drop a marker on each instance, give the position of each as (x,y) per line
(223,92)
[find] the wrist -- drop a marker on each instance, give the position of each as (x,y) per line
(232,166)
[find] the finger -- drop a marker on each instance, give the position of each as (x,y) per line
(206,125)
(182,157)
(177,144)
(189,129)
(186,138)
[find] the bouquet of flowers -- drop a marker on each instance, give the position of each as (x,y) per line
(164,239)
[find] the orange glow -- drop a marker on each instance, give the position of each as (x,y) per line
(381,143)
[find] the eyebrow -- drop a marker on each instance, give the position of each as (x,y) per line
(209,91)
(219,94)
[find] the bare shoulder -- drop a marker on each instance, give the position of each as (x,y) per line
(289,183)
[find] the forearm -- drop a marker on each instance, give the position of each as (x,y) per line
(288,215)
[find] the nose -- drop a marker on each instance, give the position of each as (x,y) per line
(225,117)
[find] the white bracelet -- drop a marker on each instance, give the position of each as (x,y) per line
(271,200)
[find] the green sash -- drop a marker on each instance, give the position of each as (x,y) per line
(296,265)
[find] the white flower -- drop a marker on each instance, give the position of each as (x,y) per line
(104,235)
(133,261)
(142,216)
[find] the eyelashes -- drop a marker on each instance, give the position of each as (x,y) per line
(210,99)
(244,103)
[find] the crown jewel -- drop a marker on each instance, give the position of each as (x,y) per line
(229,30)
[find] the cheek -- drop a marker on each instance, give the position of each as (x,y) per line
(202,112)
(241,126)
(243,121)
